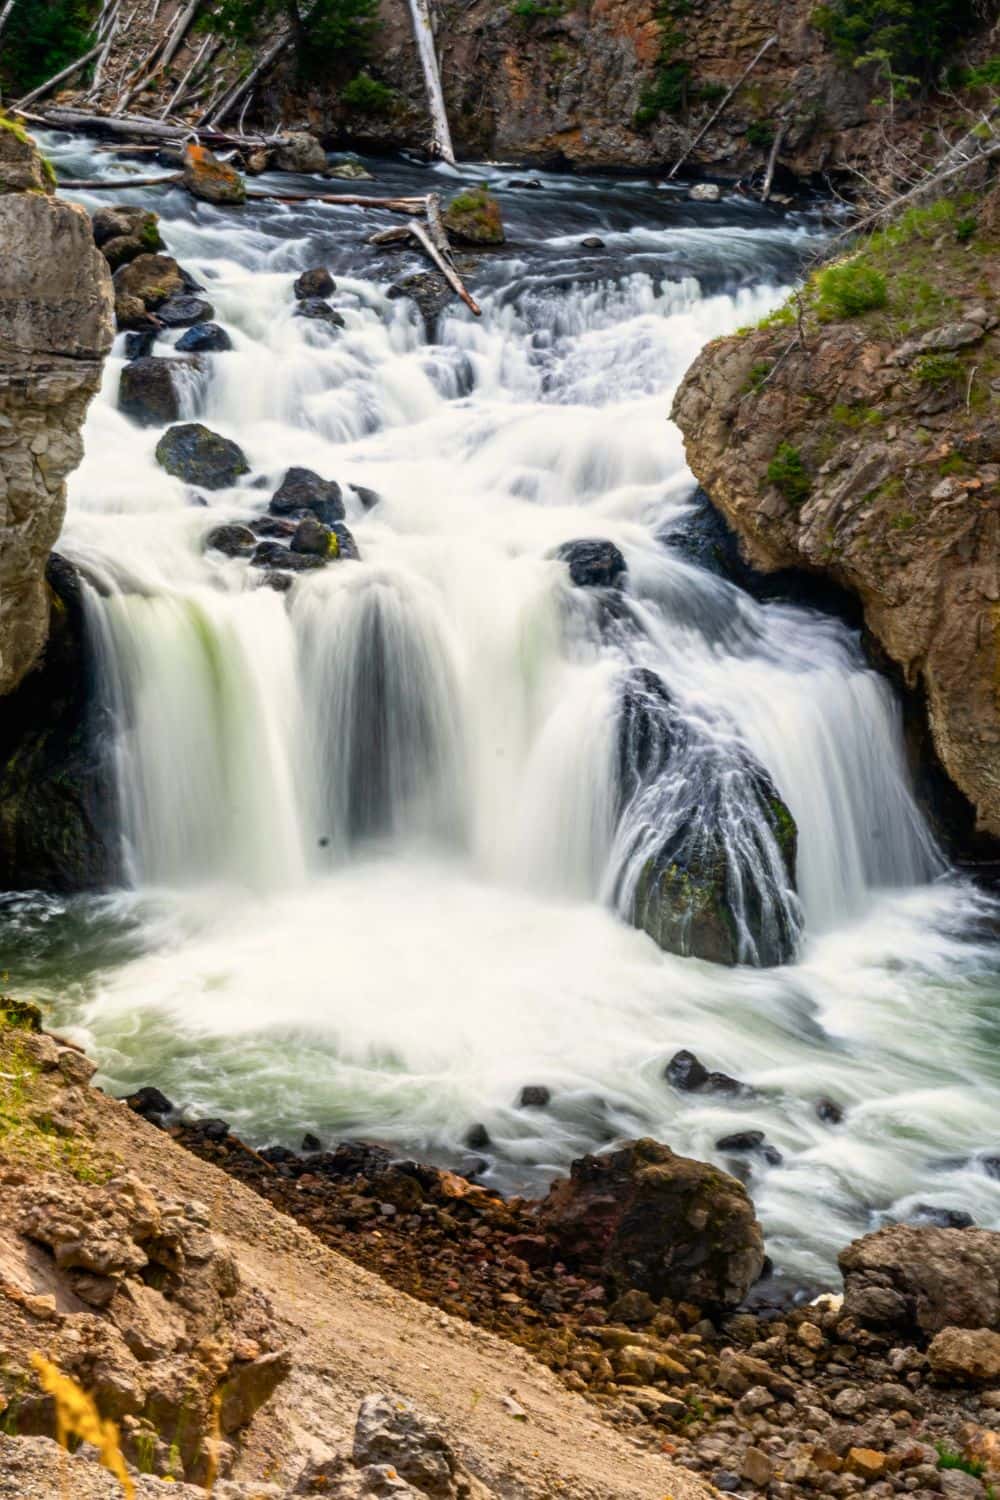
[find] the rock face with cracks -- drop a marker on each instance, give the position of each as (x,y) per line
(55,329)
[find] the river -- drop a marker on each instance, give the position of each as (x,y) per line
(368,825)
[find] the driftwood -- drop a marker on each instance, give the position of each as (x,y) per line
(179,33)
(50,83)
(772,160)
(101,184)
(715,115)
(144,128)
(394,205)
(433,241)
(446,268)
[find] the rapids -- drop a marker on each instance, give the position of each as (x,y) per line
(369,826)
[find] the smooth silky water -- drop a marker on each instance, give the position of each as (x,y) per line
(370,826)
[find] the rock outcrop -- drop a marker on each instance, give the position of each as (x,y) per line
(867,449)
(920,1281)
(55,329)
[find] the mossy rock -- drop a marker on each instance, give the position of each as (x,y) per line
(199,456)
(22,1015)
(474,218)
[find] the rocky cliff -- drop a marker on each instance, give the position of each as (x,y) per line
(856,434)
(56,327)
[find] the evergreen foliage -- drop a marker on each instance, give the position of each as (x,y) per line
(326,32)
(42,37)
(913,36)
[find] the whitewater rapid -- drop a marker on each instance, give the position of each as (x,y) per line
(368,827)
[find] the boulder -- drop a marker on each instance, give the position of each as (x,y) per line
(534,1096)
(270,554)
(593,563)
(641,1217)
(312,537)
(474,218)
(124,233)
(390,1430)
(198,456)
(139,344)
(592,242)
(966,1354)
(911,1281)
(298,151)
(184,311)
(204,338)
(429,292)
(705,192)
(142,285)
(210,179)
(316,282)
(148,391)
(349,171)
(55,329)
(233,540)
(320,312)
(302,490)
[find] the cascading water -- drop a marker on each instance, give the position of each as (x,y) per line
(377,828)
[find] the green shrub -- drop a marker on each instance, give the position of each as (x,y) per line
(667,94)
(913,36)
(938,370)
(966,228)
(538,10)
(331,32)
(788,474)
(848,290)
(367,95)
(760,133)
(986,76)
(43,36)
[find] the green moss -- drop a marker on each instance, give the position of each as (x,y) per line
(538,10)
(938,370)
(849,290)
(150,236)
(904,520)
(788,473)
(333,545)
(16,129)
(856,417)
(757,376)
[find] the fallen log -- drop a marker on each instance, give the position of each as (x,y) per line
(394,205)
(57,78)
(772,160)
(5,14)
(143,128)
(178,92)
(217,113)
(715,115)
(107,184)
(447,270)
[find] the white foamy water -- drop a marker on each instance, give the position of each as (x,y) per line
(370,825)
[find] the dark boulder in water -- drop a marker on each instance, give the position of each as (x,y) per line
(150,1103)
(270,554)
(138,345)
(184,311)
(706,843)
(312,537)
(149,391)
(204,338)
(940,1218)
(320,312)
(592,242)
(750,1142)
(829,1111)
(593,563)
(534,1096)
(641,1217)
(688,1074)
(58,805)
(302,490)
(477,1138)
(199,456)
(232,539)
(316,282)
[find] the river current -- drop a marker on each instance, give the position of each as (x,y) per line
(303,942)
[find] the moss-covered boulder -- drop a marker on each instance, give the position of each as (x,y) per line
(206,177)
(474,218)
(123,233)
(642,1218)
(22,168)
(199,456)
(707,844)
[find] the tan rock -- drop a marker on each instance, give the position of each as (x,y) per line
(966,1354)
(868,1463)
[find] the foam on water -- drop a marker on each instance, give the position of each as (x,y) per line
(372,825)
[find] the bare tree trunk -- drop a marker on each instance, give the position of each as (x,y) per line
(5,14)
(772,160)
(446,268)
(50,83)
(178,92)
(179,33)
(424,34)
(712,118)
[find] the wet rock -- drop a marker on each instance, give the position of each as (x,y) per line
(431,294)
(269,554)
(750,1141)
(592,242)
(390,1430)
(474,218)
(232,539)
(201,457)
(672,1227)
(593,563)
(686,1072)
(320,312)
(124,233)
(316,282)
(149,1101)
(968,1354)
(142,286)
(204,338)
(913,1281)
(138,345)
(349,171)
(940,1218)
(705,192)
(184,311)
(22,167)
(302,490)
(298,151)
(477,1138)
(312,537)
(534,1096)
(369,498)
(829,1112)
(311,1142)
(206,177)
(148,391)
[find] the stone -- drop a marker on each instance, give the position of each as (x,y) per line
(349,171)
(269,554)
(311,536)
(685,1072)
(966,1354)
(183,311)
(474,218)
(303,490)
(957,1485)
(868,1463)
(206,177)
(122,221)
(592,242)
(249,1386)
(641,1217)
(232,539)
(909,1280)
(298,151)
(940,1218)
(138,345)
(142,285)
(534,1096)
(390,1430)
(198,456)
(149,391)
(55,329)
(593,563)
(477,1138)
(149,1101)
(705,192)
(757,1468)
(829,1112)
(319,311)
(204,338)
(316,282)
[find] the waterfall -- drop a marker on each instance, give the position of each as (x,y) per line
(386,831)
(423,32)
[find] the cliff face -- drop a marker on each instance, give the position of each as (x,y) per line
(56,326)
(865,446)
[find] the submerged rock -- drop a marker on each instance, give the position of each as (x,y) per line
(349,171)
(912,1281)
(298,151)
(316,282)
(474,218)
(593,563)
(320,312)
(205,176)
(139,344)
(303,490)
(233,540)
(204,338)
(644,1218)
(199,456)
(270,554)
(148,391)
